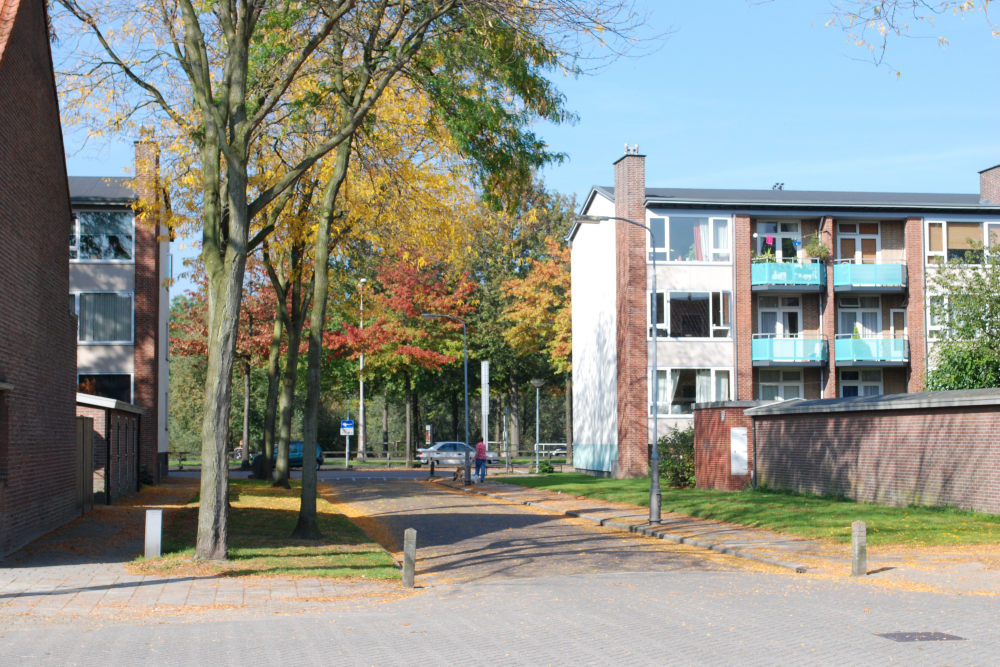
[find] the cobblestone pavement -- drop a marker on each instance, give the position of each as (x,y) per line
(683,617)
(465,537)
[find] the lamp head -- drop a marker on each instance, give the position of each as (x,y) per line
(589,219)
(538,384)
(363,281)
(428,316)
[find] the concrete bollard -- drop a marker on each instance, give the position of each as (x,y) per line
(409,556)
(154,533)
(859,549)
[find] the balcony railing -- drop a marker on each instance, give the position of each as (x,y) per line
(880,350)
(884,276)
(799,275)
(789,350)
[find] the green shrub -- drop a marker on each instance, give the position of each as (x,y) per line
(676,451)
(545,468)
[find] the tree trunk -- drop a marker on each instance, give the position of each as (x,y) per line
(385,419)
(273,380)
(569,418)
(417,431)
(245,449)
(409,422)
(454,415)
(515,417)
(307,527)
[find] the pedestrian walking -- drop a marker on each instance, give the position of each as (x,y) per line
(481,460)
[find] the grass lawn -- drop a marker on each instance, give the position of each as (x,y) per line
(260,522)
(801,515)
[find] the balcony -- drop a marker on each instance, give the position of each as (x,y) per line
(887,350)
(791,350)
(885,276)
(806,275)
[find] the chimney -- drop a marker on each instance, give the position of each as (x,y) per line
(989,185)
(632,316)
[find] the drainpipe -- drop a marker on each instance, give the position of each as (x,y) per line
(753,435)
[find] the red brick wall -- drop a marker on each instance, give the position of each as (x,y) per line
(893,457)
(630,248)
(147,302)
(915,322)
(744,310)
(828,302)
(37,331)
(100,449)
(989,185)
(712,464)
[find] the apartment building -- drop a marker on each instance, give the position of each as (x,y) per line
(761,295)
(119,258)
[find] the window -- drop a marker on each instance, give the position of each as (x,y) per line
(781,239)
(102,236)
(779,315)
(861,316)
(860,383)
(936,321)
(859,242)
(680,388)
(778,385)
(105,317)
(935,242)
(107,385)
(689,239)
(691,315)
(956,240)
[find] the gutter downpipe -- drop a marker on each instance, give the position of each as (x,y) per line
(753,435)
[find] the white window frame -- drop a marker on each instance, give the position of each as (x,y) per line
(778,235)
(861,383)
(859,236)
(76,237)
(781,310)
(664,313)
(892,324)
(667,369)
(131,391)
(934,330)
(782,384)
(878,319)
(943,253)
(77,293)
(713,250)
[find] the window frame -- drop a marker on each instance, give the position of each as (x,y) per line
(652,377)
(857,259)
(713,250)
(664,313)
(782,383)
(78,293)
(76,236)
(943,253)
(860,383)
(879,329)
(131,390)
(780,309)
(778,235)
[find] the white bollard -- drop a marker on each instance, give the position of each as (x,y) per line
(409,556)
(154,533)
(859,549)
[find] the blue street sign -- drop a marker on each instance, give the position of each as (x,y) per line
(346,427)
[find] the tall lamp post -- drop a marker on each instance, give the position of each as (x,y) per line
(465,349)
(361,404)
(537,384)
(654,462)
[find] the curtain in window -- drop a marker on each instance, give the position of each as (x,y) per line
(665,392)
(106,317)
(675,383)
(703,386)
(722,235)
(768,323)
(702,240)
(869,324)
(721,385)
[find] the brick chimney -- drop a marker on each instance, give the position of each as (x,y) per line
(989,185)
(630,249)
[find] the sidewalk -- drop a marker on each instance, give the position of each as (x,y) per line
(955,569)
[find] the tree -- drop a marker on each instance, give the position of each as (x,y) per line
(965,302)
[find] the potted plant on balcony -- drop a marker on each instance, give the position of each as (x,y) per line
(816,249)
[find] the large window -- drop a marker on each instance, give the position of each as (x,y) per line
(860,242)
(959,240)
(860,383)
(861,315)
(104,236)
(104,317)
(779,316)
(779,385)
(783,240)
(690,239)
(691,315)
(680,388)
(108,385)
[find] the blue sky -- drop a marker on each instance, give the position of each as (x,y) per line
(744,95)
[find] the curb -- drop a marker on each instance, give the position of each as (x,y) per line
(648,532)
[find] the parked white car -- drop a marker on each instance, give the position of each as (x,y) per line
(452,453)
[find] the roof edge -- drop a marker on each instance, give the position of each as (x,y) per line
(110,403)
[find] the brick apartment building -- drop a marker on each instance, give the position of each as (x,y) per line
(747,309)
(119,258)
(38,444)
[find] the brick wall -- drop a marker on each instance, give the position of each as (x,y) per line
(745,316)
(712,463)
(37,331)
(630,248)
(147,302)
(828,303)
(989,185)
(893,240)
(895,457)
(100,450)
(915,322)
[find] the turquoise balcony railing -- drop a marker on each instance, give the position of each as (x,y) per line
(871,351)
(808,273)
(886,276)
(797,350)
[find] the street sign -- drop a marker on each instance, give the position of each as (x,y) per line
(346,427)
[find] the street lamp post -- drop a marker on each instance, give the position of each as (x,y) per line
(537,384)
(465,350)
(654,463)
(361,405)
